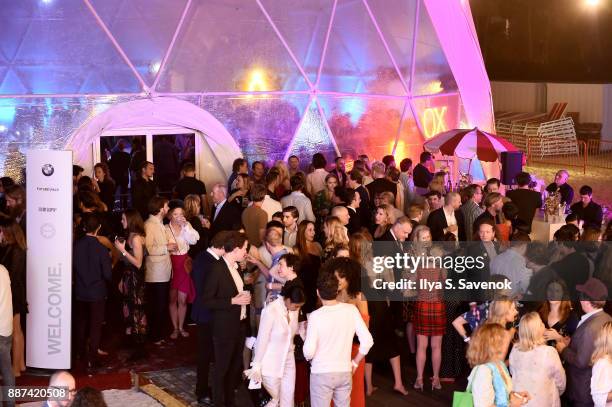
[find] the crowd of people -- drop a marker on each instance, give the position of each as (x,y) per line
(279,255)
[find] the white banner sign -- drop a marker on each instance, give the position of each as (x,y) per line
(49,271)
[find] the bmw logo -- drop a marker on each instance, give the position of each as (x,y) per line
(48,170)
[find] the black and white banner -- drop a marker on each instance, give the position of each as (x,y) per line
(49,258)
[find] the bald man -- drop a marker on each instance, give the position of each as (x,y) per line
(62,378)
(341,213)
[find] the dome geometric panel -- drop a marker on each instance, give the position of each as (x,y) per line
(212,55)
(262,126)
(432,74)
(303,25)
(356,60)
(363,125)
(395,18)
(313,135)
(143,29)
(61,45)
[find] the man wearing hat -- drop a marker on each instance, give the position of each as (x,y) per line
(576,353)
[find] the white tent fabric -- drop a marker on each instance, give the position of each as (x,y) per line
(215,153)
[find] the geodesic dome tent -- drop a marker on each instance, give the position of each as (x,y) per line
(282,76)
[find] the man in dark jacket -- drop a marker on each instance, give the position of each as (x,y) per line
(225,215)
(576,352)
(201,315)
(449,218)
(225,297)
(421,174)
(588,211)
(143,189)
(92,271)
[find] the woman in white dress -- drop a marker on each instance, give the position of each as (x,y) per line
(535,366)
(601,379)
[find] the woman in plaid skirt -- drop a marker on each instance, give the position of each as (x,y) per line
(429,311)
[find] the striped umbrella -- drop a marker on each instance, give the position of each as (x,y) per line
(469,144)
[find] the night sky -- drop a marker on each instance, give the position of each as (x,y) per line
(545,40)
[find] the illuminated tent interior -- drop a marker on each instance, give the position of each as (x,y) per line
(282,76)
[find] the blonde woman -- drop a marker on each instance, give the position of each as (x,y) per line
(384,218)
(502,312)
(335,234)
(489,381)
(284,186)
(438,182)
(536,367)
(601,379)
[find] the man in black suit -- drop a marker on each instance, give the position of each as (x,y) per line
(353,201)
(355,181)
(576,352)
(225,215)
(143,189)
(201,315)
(448,218)
(225,297)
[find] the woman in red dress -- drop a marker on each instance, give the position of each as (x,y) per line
(182,290)
(430,311)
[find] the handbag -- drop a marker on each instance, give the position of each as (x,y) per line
(464,398)
(259,396)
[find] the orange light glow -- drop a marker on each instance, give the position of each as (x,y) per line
(257,81)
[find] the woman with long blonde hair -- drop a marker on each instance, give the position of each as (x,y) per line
(384,218)
(601,378)
(284,184)
(335,234)
(546,383)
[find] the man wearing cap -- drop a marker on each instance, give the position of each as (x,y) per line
(576,353)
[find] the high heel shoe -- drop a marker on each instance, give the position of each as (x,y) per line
(418,384)
(435,383)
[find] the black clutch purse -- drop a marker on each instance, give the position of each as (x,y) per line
(298,349)
(259,397)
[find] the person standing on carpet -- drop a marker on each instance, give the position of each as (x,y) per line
(202,315)
(274,361)
(329,338)
(224,295)
(92,270)
(132,285)
(181,232)
(158,269)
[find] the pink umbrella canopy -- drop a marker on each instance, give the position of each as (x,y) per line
(469,144)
